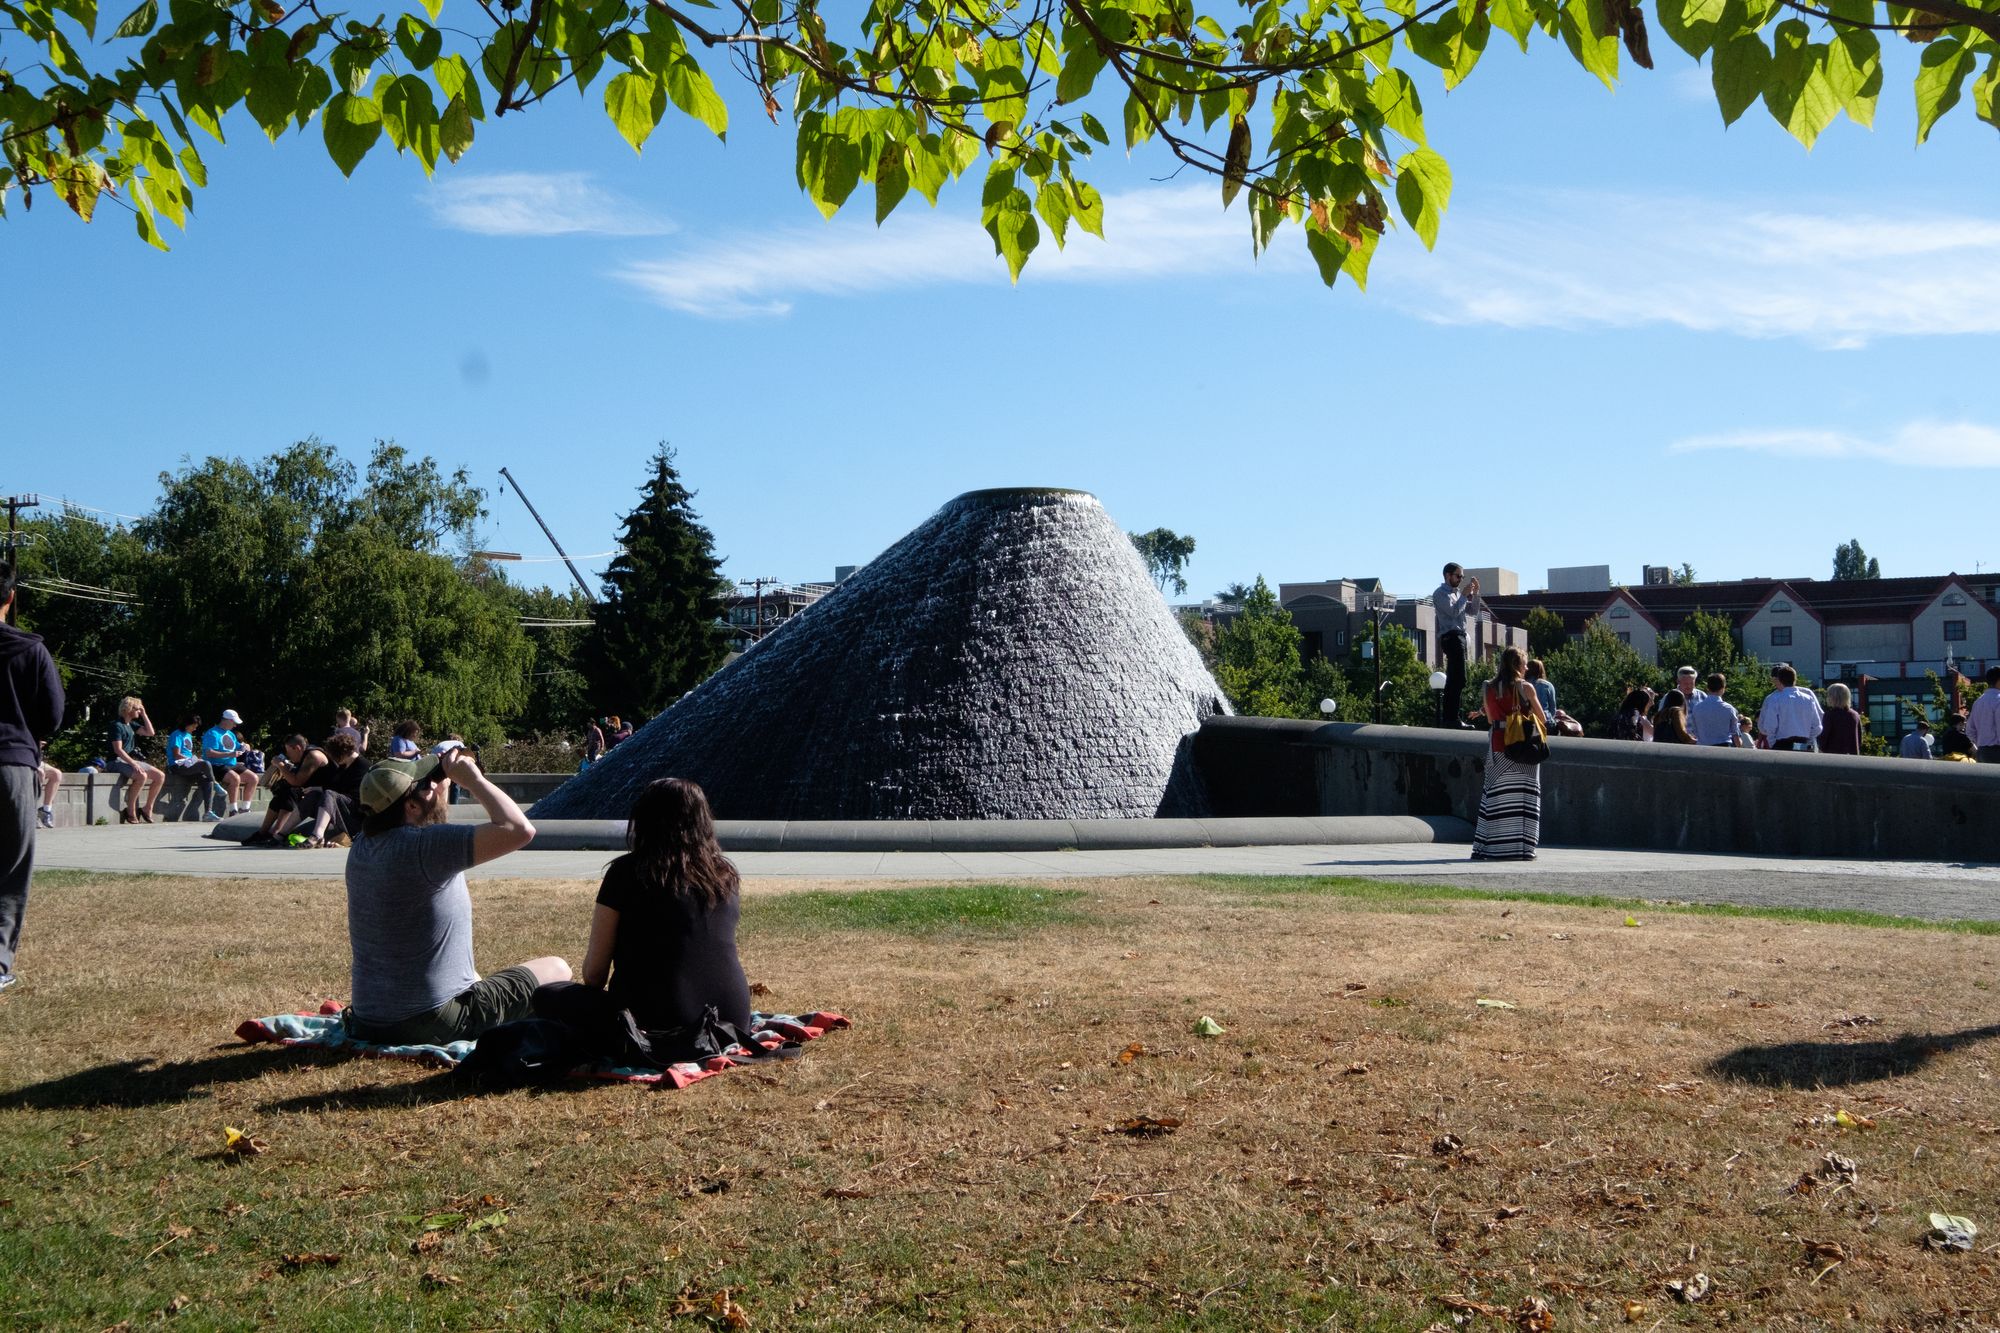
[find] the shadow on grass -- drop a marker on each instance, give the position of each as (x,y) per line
(1834,1064)
(147,1082)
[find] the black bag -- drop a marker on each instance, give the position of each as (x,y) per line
(1522,737)
(525,1051)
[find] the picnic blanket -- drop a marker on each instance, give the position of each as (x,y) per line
(769,1032)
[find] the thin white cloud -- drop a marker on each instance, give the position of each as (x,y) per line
(1581,261)
(1927,444)
(1148,234)
(519,203)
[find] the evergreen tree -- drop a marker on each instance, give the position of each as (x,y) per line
(658,632)
(1851,562)
(1545,631)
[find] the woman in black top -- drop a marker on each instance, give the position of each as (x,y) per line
(663,935)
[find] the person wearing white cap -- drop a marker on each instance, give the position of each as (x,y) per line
(409,916)
(220,750)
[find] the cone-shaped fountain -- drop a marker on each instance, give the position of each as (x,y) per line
(1008,659)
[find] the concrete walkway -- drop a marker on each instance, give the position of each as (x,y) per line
(1936,890)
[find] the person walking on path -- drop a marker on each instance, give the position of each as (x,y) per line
(1841,733)
(1510,805)
(1982,723)
(1712,718)
(1454,598)
(31,708)
(409,916)
(1791,715)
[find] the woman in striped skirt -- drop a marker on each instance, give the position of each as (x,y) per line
(1510,806)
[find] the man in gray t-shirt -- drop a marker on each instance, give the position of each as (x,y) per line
(409,916)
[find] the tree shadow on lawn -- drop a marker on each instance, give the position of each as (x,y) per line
(148,1082)
(1834,1064)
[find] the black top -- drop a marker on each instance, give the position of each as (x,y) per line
(345,780)
(31,697)
(673,957)
(321,776)
(123,732)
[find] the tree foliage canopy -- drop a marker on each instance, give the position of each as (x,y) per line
(1851,562)
(1304,108)
(1166,554)
(659,627)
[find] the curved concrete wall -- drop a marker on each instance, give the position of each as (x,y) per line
(1615,793)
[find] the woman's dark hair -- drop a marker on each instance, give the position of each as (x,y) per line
(1671,725)
(340,747)
(1673,699)
(1635,701)
(189,721)
(1512,664)
(408,730)
(672,837)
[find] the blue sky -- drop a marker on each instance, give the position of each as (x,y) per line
(1641,339)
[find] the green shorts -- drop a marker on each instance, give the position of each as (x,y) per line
(501,998)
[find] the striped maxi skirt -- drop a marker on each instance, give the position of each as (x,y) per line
(1510,811)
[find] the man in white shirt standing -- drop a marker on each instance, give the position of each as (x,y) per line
(1711,718)
(1451,603)
(1982,723)
(1791,715)
(1684,682)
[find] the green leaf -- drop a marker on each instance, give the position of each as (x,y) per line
(635,102)
(351,125)
(892,181)
(1423,190)
(1516,18)
(273,96)
(455,129)
(1394,97)
(1983,92)
(1094,128)
(419,42)
(1082,62)
(433,8)
(929,168)
(1796,92)
(688,85)
(351,67)
(829,169)
(193,167)
(1590,40)
(1692,24)
(1086,206)
(1854,72)
(1009,218)
(454,80)
(410,118)
(1052,202)
(140,21)
(1741,67)
(1946,63)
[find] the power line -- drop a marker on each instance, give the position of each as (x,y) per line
(50,590)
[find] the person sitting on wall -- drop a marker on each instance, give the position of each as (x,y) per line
(300,765)
(225,756)
(184,758)
(1560,723)
(1955,744)
(346,724)
(405,740)
(663,933)
(141,777)
(409,917)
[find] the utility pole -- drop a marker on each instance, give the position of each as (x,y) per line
(757,629)
(15,504)
(550,535)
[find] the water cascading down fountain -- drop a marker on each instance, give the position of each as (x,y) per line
(1008,659)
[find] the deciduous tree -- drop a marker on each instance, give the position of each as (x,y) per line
(1545,631)
(1307,112)
(1166,554)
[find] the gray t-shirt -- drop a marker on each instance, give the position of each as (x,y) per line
(409,920)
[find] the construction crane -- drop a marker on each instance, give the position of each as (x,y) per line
(550,535)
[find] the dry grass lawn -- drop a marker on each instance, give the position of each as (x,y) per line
(1774,1104)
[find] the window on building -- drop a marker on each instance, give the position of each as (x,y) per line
(1954,631)
(1621,612)
(1313,645)
(1625,637)
(1340,638)
(1954,599)
(1781,607)
(1781,636)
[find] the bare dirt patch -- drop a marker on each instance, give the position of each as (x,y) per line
(1690,1119)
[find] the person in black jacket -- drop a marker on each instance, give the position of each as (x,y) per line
(31,708)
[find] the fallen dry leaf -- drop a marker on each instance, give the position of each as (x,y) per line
(1131,1053)
(759,988)
(1466,1305)
(1144,1126)
(1690,1290)
(1356,1069)
(1634,1311)
(236,1143)
(294,1262)
(1444,1145)
(1509,1210)
(1533,1315)
(438,1281)
(839,1192)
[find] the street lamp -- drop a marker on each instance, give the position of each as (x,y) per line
(1327,708)
(1381,604)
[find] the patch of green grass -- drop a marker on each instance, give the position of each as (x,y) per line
(985,909)
(76,879)
(1418,894)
